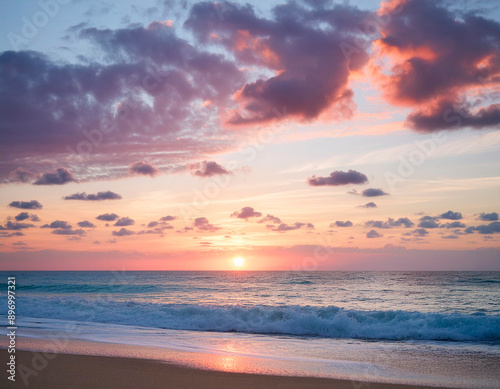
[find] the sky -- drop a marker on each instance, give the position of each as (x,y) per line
(299,135)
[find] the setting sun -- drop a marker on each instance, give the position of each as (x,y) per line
(238,261)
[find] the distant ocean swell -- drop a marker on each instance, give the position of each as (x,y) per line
(331,322)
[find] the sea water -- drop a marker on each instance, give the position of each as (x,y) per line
(436,328)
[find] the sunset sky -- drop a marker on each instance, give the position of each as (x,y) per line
(307,135)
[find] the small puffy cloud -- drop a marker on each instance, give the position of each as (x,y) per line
(338,177)
(371,204)
(390,223)
(373,234)
(107,217)
(69,231)
(421,232)
(450,215)
(208,169)
(487,229)
(488,217)
(123,232)
(202,224)
(15,226)
(33,204)
(167,218)
(124,221)
(339,223)
(143,168)
(283,227)
(454,225)
(86,224)
(429,222)
(373,192)
(25,215)
(60,176)
(107,195)
(270,219)
(245,213)
(58,224)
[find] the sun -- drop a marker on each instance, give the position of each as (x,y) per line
(238,261)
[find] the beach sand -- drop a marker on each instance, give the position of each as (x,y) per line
(81,364)
(84,371)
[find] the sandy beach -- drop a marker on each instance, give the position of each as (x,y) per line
(98,372)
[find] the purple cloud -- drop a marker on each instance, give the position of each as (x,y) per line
(33,204)
(306,46)
(339,178)
(373,234)
(488,217)
(107,195)
(58,224)
(60,176)
(143,168)
(245,213)
(208,169)
(124,221)
(107,217)
(123,232)
(202,224)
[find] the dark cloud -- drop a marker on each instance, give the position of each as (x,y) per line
(450,215)
(208,169)
(143,168)
(339,223)
(373,192)
(57,224)
(69,231)
(305,46)
(421,232)
(25,215)
(429,222)
(15,226)
(98,107)
(270,219)
(123,232)
(124,221)
(445,65)
(245,213)
(107,195)
(86,224)
(369,205)
(167,218)
(492,228)
(454,225)
(488,217)
(60,176)
(202,224)
(373,234)
(33,204)
(390,223)
(339,178)
(107,217)
(283,227)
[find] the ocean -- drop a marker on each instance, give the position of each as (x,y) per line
(435,328)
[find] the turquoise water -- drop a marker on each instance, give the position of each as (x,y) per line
(419,327)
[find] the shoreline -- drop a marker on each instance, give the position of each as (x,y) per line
(57,370)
